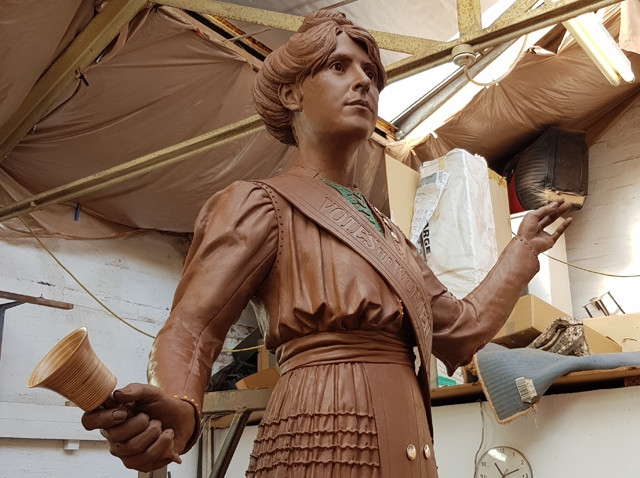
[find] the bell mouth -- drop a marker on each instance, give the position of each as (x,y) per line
(72,369)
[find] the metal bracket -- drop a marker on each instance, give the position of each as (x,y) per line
(19,299)
(3,308)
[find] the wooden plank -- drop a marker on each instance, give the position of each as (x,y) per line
(574,381)
(67,69)
(221,406)
(230,401)
(35,300)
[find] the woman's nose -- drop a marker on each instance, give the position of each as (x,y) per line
(362,80)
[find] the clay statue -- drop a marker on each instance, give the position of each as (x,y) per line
(341,295)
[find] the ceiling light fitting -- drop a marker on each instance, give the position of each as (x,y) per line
(600,46)
(463,55)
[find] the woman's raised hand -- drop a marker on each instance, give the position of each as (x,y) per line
(534,222)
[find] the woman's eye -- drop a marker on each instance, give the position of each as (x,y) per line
(337,66)
(372,75)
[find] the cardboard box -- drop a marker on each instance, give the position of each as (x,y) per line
(529,318)
(622,329)
(599,343)
(402,183)
(500,208)
(265,358)
(264,379)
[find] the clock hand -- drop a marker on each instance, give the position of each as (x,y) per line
(502,475)
(509,472)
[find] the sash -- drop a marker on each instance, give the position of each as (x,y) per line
(329,209)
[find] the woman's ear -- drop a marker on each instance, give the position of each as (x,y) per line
(290,97)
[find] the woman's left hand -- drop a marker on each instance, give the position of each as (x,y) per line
(534,222)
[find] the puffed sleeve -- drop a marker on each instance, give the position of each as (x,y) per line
(462,326)
(234,245)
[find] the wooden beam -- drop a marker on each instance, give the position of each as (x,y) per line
(67,69)
(230,401)
(283,21)
(469,16)
(547,15)
(134,168)
(440,52)
(35,300)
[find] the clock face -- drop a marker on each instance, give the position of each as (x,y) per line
(502,462)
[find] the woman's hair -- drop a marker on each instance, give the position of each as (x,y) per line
(303,55)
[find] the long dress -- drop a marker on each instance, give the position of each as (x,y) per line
(348,402)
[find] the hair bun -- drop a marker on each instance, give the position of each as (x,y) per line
(319,17)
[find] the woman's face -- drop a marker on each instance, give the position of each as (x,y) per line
(342,97)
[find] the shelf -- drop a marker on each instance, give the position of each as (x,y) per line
(570,383)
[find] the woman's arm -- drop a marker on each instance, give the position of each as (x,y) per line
(462,326)
(234,245)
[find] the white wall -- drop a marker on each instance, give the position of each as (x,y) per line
(605,236)
(136,278)
(587,435)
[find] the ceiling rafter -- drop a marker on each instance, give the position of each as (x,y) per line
(469,16)
(284,21)
(516,10)
(514,22)
(66,70)
(499,32)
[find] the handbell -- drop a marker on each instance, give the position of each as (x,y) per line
(72,369)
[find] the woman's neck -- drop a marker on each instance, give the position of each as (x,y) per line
(334,171)
(335,164)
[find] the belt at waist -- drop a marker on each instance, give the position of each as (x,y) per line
(322,348)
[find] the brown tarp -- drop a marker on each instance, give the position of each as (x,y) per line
(546,89)
(168,78)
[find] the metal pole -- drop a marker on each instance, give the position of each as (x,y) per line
(3,308)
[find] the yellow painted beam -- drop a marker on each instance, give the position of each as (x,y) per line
(134,168)
(469,16)
(437,53)
(84,49)
(515,11)
(283,21)
(549,14)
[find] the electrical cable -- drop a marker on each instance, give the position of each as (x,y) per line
(618,276)
(482,431)
(102,304)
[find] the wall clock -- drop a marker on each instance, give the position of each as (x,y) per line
(502,462)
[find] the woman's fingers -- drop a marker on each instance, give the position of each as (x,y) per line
(133,427)
(105,418)
(549,213)
(561,228)
(132,421)
(156,455)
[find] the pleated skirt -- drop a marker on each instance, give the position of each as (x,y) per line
(347,420)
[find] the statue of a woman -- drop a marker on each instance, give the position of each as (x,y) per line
(341,295)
